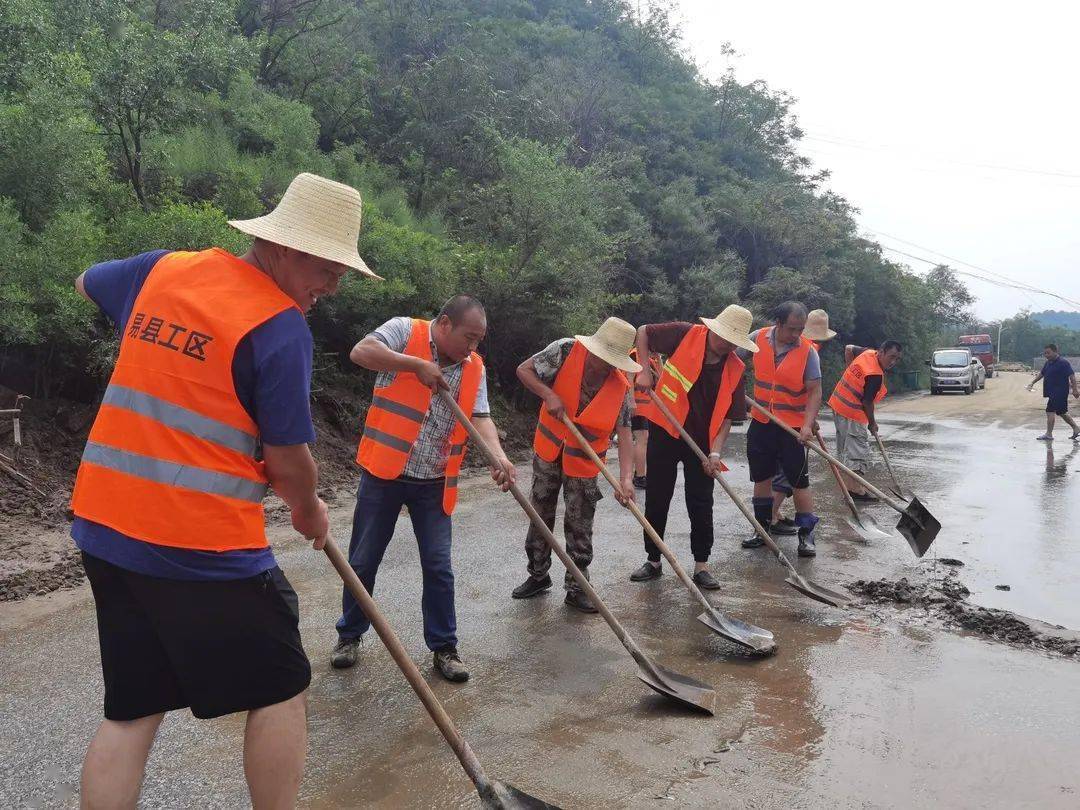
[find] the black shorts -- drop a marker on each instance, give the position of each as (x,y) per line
(1058,404)
(771,449)
(216,647)
(639,423)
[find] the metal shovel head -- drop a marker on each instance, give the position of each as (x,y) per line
(756,638)
(829,596)
(866,527)
(680,688)
(918,526)
(508,797)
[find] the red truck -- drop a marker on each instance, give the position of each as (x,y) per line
(980,347)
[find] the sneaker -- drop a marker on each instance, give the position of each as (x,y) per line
(1046,437)
(448,662)
(806,543)
(532,587)
(785,526)
(753,541)
(639,482)
(579,601)
(864,497)
(646,572)
(345,653)
(705,579)
(1076,436)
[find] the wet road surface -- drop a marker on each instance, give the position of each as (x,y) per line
(858,708)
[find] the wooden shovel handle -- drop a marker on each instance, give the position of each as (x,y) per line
(825,454)
(840,482)
(888,464)
(408,668)
(658,541)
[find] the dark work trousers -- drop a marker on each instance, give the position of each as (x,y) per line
(378,505)
(662,459)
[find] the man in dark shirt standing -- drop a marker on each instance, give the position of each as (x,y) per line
(702,382)
(1057,376)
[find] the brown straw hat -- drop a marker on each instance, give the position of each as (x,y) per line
(315,215)
(612,344)
(817,326)
(733,325)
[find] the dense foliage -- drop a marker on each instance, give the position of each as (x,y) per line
(562,159)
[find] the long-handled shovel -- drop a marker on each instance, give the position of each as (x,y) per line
(681,688)
(896,490)
(814,590)
(497,795)
(864,525)
(740,632)
(916,523)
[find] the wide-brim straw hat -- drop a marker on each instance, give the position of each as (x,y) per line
(612,344)
(317,216)
(733,325)
(817,326)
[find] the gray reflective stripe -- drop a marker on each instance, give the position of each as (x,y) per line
(457,450)
(782,388)
(546,431)
(379,437)
(588,434)
(174,416)
(776,406)
(173,474)
(397,408)
(856,394)
(847,401)
(451,481)
(579,453)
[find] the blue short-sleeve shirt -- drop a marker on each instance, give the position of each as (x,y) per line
(272,376)
(1056,375)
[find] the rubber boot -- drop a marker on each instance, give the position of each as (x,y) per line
(806,521)
(763,513)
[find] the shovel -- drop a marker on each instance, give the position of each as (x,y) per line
(916,523)
(896,490)
(804,586)
(864,526)
(680,688)
(755,638)
(495,795)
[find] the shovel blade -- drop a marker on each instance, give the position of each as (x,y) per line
(918,526)
(867,528)
(830,596)
(756,638)
(507,797)
(681,688)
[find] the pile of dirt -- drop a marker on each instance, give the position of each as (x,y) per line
(945,598)
(67,572)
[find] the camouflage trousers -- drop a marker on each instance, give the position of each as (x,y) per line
(580,496)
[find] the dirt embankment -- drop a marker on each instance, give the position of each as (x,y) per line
(944,598)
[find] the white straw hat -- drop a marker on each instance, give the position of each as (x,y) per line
(733,325)
(612,344)
(817,326)
(315,215)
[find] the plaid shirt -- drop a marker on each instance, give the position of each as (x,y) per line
(432,448)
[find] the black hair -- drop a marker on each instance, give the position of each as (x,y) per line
(891,344)
(787,309)
(1052,347)
(456,307)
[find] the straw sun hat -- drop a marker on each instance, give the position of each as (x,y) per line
(733,325)
(317,216)
(612,344)
(817,326)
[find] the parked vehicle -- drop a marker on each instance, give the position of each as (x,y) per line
(981,347)
(956,370)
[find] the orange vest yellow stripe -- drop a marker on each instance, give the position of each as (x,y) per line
(846,398)
(640,397)
(681,372)
(397,413)
(595,422)
(781,389)
(172,456)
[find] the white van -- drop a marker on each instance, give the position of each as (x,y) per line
(956,369)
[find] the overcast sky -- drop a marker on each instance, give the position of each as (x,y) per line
(951,125)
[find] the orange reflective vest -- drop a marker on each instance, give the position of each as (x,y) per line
(681,371)
(398,411)
(781,389)
(846,398)
(172,456)
(641,398)
(595,422)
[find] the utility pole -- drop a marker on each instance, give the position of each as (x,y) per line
(999,357)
